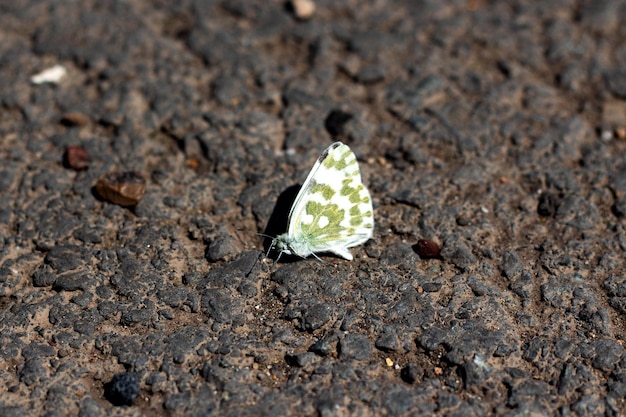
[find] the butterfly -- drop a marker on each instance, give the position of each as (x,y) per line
(332,211)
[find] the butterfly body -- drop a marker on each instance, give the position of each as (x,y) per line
(332,211)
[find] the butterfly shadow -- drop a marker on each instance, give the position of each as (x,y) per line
(278,223)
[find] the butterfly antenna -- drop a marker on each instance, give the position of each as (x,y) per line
(267,254)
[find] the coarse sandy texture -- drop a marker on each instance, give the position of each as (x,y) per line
(495,128)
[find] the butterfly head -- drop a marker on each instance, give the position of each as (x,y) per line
(287,245)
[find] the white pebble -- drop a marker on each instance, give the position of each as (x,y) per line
(51,75)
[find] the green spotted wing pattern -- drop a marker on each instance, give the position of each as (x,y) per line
(333,210)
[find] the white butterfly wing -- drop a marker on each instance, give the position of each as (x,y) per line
(333,209)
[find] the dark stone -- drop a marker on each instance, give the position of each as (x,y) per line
(412,373)
(548,204)
(481,288)
(43,277)
(37,350)
(11,345)
(370,74)
(620,207)
(601,16)
(616,82)
(532,348)
(173,296)
(193,302)
(90,408)
(7,177)
(401,399)
(335,122)
(475,371)
(301,360)
(178,402)
(63,315)
(522,286)
(531,388)
(323,347)
(129,267)
(34,370)
(230,273)
(556,294)
(108,308)
(387,342)
(222,306)
(249,287)
(460,257)
(228,89)
(607,354)
(215,375)
(432,338)
(73,281)
(574,376)
(17,411)
(222,247)
(511,264)
(462,220)
(317,316)
(192,278)
(617,383)
(65,257)
(618,180)
(399,253)
(355,346)
(85,328)
(431,286)
(563,347)
(590,405)
(123,389)
(142,316)
(89,234)
(351,320)
(186,341)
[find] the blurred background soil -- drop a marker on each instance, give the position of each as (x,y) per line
(496,130)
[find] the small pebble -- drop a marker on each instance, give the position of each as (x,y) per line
(51,75)
(76,157)
(606,135)
(427,249)
(122,188)
(335,122)
(75,118)
(548,204)
(462,220)
(123,389)
(412,373)
(303,9)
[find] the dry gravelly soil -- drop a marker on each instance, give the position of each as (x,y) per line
(495,128)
